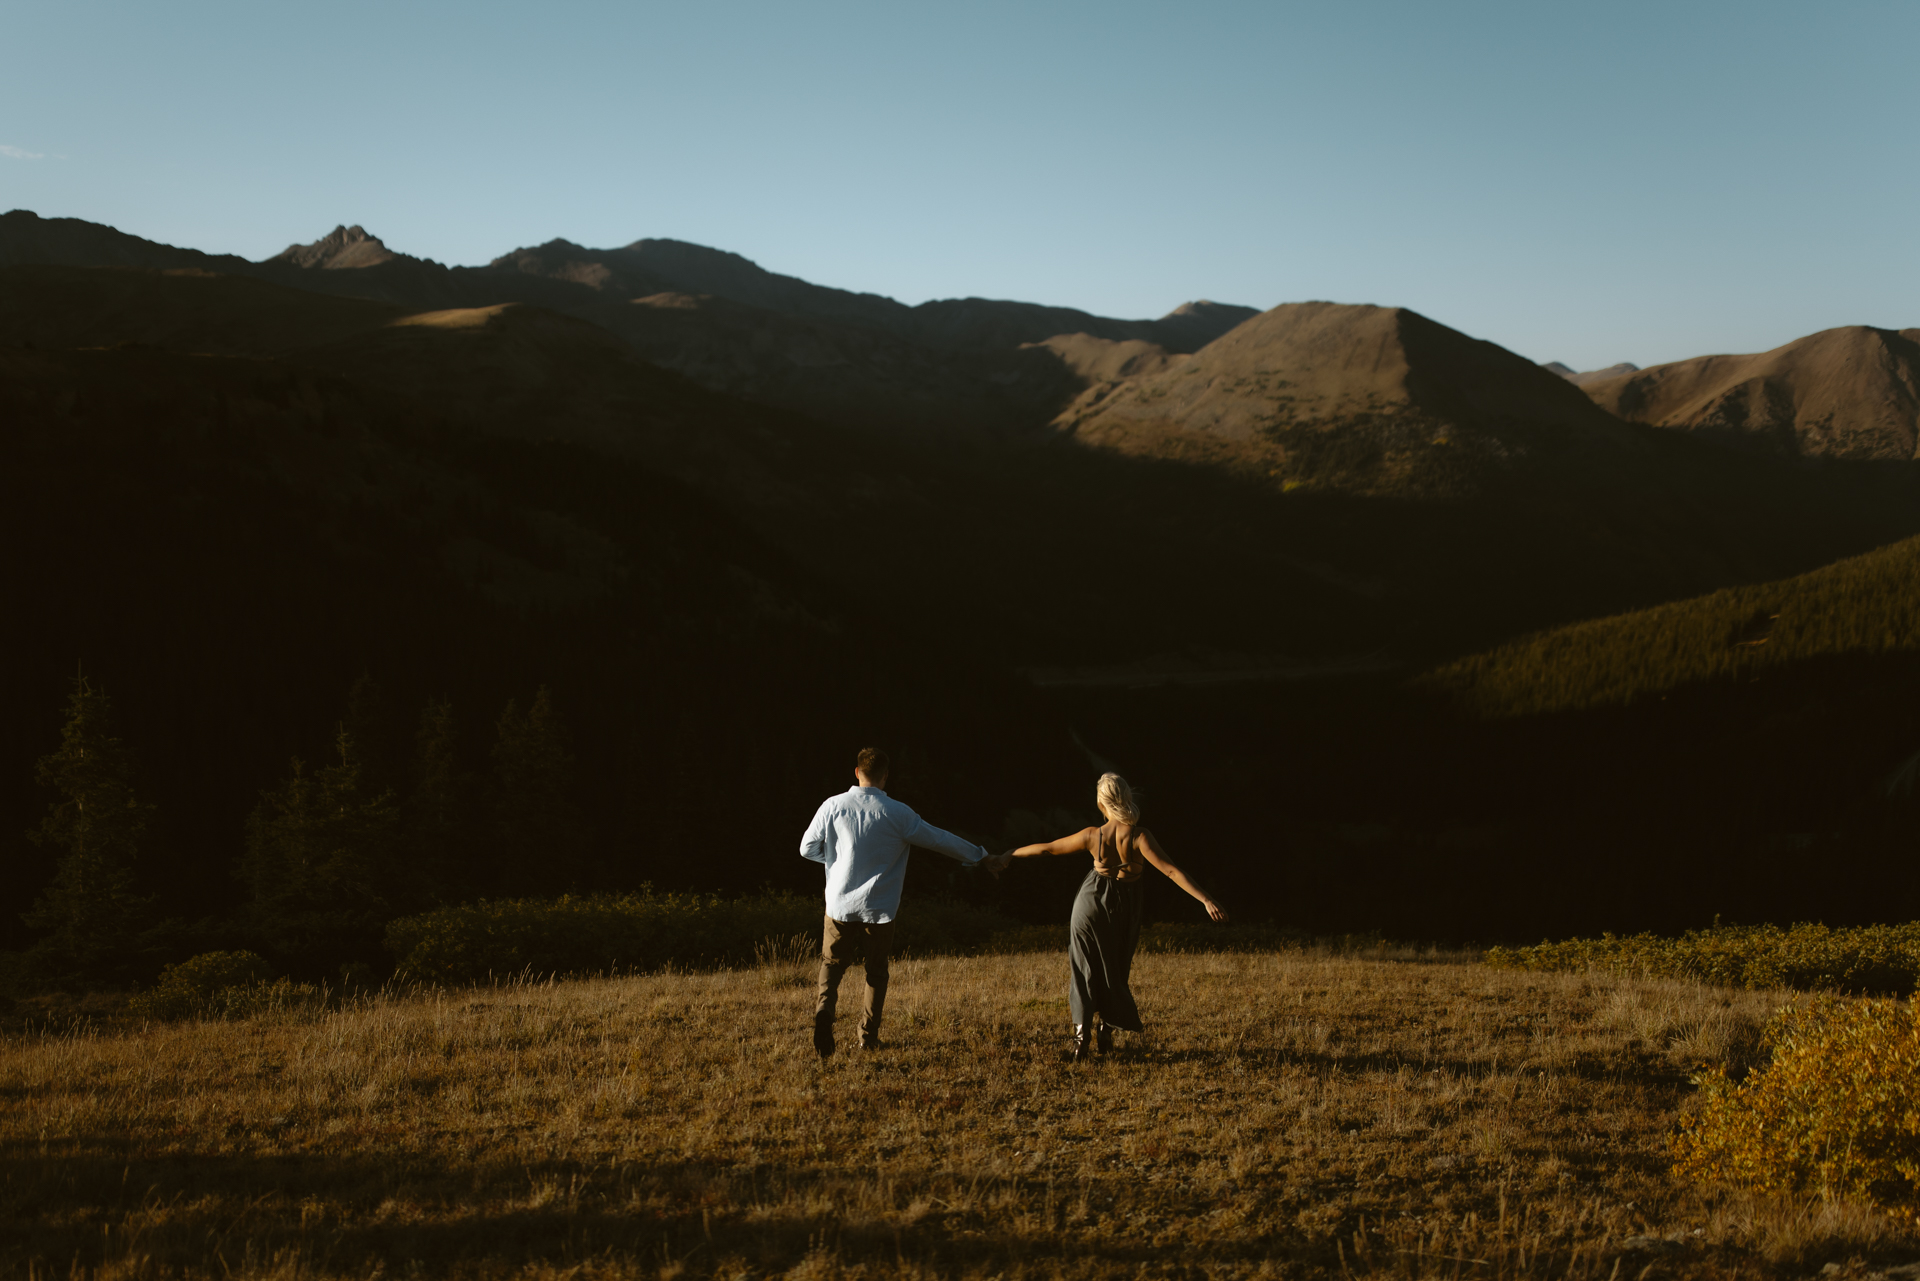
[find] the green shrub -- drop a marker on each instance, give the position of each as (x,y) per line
(944,927)
(607,933)
(612,933)
(1864,959)
(211,984)
(1837,1111)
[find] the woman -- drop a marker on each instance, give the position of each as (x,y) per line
(1106,915)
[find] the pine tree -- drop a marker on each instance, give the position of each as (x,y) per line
(539,836)
(320,864)
(379,736)
(441,831)
(92,912)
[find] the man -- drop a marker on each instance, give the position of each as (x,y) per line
(862,836)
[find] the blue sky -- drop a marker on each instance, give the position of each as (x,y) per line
(1587,183)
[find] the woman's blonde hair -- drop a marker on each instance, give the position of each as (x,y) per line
(1116,799)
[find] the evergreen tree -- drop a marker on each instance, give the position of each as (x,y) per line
(441,831)
(320,864)
(92,911)
(539,836)
(379,736)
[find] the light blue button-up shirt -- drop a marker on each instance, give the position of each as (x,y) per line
(862,836)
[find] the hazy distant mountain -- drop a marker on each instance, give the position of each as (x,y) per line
(648,267)
(616,273)
(1591,375)
(729,324)
(1852,392)
(674,266)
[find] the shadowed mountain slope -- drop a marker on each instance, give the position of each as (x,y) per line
(850,373)
(1753,753)
(188,310)
(955,513)
(1849,393)
(28,239)
(674,266)
(1608,515)
(957,364)
(732,326)
(227,542)
(973,324)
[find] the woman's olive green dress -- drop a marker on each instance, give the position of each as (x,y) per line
(1106,929)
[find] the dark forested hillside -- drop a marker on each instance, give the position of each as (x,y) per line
(1861,608)
(486,570)
(228,545)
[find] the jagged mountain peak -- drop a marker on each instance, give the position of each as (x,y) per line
(343,247)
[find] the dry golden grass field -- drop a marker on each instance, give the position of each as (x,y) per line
(1287,1115)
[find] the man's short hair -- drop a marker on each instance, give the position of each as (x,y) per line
(872,761)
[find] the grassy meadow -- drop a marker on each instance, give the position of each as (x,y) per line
(1288,1114)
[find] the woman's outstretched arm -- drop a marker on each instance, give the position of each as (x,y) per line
(1157,856)
(1079,843)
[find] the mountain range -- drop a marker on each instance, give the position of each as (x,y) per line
(1851,393)
(717,317)
(980,364)
(699,496)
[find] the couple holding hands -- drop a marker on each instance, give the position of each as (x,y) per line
(863,835)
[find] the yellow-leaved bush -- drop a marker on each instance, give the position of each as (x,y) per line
(1837,1111)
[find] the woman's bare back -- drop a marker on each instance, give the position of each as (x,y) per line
(1117,851)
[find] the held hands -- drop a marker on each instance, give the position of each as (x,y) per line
(997,863)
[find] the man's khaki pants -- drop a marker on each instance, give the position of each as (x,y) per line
(842,943)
